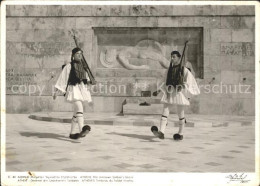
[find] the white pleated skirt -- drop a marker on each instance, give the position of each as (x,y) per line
(175,98)
(78,92)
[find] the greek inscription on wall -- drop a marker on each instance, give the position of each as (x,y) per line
(16,78)
(245,49)
(40,48)
(46,48)
(231,48)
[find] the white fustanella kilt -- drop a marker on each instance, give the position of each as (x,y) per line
(175,98)
(190,89)
(78,92)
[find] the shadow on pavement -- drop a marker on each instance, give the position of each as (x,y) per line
(47,135)
(143,137)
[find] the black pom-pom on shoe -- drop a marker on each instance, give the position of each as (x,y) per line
(177,137)
(85,131)
(86,127)
(74,136)
(154,128)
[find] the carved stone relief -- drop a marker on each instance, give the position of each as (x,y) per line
(108,57)
(145,49)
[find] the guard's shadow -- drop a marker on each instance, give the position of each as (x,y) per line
(137,136)
(47,135)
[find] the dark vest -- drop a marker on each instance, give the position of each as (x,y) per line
(175,75)
(77,74)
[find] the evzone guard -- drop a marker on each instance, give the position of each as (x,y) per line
(180,86)
(73,83)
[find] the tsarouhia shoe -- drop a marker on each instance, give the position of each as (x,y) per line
(161,135)
(177,137)
(157,133)
(74,136)
(85,131)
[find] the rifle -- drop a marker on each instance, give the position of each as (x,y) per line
(181,73)
(91,77)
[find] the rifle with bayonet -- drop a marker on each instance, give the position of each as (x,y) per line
(182,65)
(91,77)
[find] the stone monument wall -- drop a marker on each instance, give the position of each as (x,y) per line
(126,46)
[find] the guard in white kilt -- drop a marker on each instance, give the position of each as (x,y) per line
(73,82)
(179,88)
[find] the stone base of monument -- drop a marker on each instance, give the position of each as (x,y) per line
(136,109)
(143,99)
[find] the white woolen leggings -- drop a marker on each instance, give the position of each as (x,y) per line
(165,114)
(77,116)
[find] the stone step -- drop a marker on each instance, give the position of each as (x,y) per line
(139,120)
(136,109)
